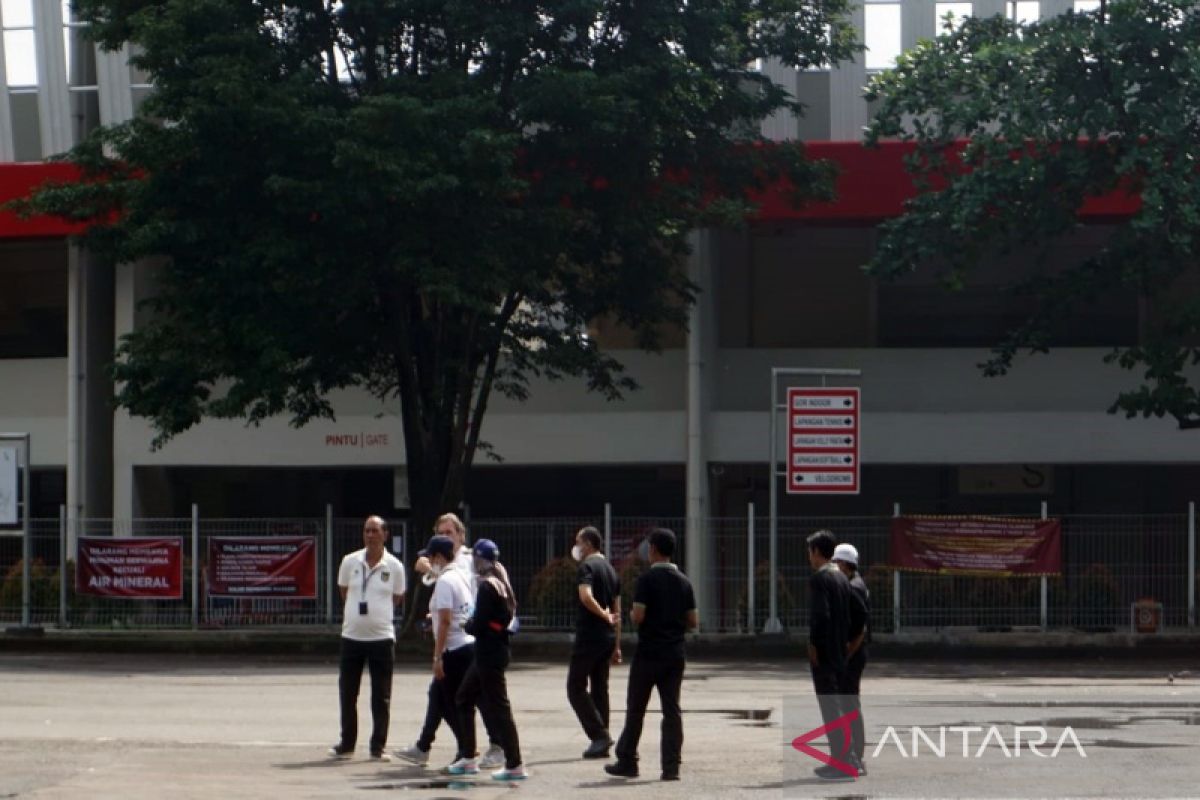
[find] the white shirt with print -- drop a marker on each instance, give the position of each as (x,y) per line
(451,592)
(374,585)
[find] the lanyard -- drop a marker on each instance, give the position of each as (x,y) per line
(367,573)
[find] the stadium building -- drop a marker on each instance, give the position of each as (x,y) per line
(787,291)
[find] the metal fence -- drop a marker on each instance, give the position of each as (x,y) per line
(1109,562)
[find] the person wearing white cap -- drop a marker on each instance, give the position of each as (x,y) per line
(846,557)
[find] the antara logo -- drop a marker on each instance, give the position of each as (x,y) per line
(842,724)
(1029,737)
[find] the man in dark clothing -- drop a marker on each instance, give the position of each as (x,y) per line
(597,640)
(846,558)
(484,684)
(664,609)
(830,611)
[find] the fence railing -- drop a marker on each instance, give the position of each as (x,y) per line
(1109,562)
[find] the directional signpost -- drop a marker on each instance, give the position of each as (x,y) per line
(823,437)
(823,434)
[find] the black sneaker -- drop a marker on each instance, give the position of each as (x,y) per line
(622,769)
(340,752)
(670,775)
(831,773)
(598,748)
(858,764)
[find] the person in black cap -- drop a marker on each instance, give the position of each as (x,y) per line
(450,526)
(453,648)
(664,608)
(484,684)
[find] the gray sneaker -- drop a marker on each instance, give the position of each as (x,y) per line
(494,757)
(414,755)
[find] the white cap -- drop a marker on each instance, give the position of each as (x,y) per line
(847,553)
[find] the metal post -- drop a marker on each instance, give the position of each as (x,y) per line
(26,544)
(896,584)
(1191,564)
(1045,615)
(773,624)
(195,566)
(608,530)
(329,574)
(750,567)
(62,566)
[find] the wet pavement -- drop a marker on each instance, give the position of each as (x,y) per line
(151,725)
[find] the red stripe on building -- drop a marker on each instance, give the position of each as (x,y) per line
(872,185)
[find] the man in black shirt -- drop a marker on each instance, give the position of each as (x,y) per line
(830,611)
(846,558)
(664,608)
(597,640)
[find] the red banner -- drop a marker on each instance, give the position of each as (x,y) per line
(276,566)
(962,545)
(130,567)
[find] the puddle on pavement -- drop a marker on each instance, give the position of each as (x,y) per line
(1121,744)
(452,785)
(748,717)
(752,714)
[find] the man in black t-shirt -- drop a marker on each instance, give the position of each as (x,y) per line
(664,609)
(832,616)
(597,640)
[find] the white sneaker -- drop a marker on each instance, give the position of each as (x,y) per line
(494,757)
(414,755)
(517,773)
(464,766)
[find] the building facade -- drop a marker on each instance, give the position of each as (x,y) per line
(788,291)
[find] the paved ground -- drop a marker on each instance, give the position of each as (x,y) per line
(131,726)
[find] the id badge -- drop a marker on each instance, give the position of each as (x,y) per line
(362,608)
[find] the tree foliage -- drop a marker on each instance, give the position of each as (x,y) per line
(427,198)
(1055,113)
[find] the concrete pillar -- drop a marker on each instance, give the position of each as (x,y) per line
(701,345)
(124,308)
(89,389)
(7,150)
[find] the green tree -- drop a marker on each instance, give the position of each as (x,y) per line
(1072,107)
(429,199)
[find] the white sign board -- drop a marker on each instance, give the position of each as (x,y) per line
(8,485)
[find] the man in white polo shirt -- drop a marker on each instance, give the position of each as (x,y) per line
(372,584)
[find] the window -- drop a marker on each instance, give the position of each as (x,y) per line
(881,34)
(1023,12)
(20,50)
(33,305)
(957,11)
(1082,6)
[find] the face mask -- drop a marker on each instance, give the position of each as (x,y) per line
(577,553)
(644,550)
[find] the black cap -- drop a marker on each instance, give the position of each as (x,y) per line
(439,546)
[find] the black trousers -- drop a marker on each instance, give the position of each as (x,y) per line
(484,686)
(646,675)
(379,658)
(830,686)
(442,705)
(589,665)
(854,671)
